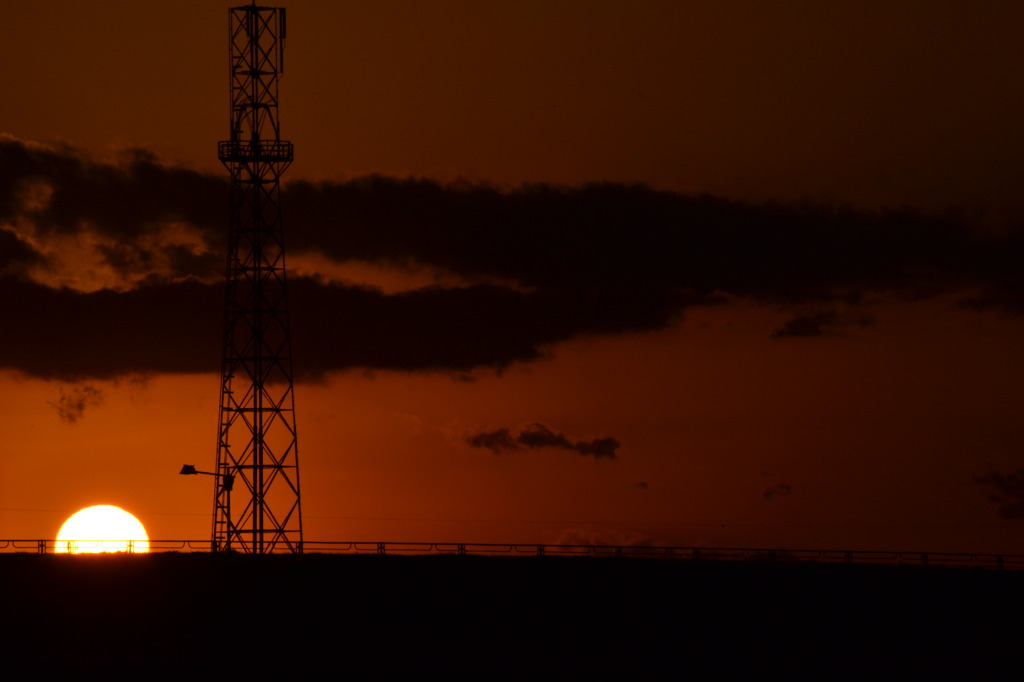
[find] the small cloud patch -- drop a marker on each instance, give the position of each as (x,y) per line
(72,404)
(537,435)
(1006,491)
(777,490)
(825,323)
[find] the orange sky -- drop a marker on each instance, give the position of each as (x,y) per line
(863,430)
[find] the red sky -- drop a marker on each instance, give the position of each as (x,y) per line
(781,365)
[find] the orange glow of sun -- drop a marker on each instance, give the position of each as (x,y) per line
(102,528)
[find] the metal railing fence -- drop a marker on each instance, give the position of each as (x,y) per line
(993,561)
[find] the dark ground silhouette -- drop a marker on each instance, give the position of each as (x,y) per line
(367,617)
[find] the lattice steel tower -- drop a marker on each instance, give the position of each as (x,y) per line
(257,448)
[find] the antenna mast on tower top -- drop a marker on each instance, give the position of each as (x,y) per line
(257,447)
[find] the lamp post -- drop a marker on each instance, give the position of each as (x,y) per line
(226,483)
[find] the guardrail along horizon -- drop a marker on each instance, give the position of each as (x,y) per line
(678,553)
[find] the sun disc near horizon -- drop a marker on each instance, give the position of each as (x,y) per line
(101,528)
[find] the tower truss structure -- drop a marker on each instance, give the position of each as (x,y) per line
(257,445)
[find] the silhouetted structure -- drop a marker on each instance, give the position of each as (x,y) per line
(257,450)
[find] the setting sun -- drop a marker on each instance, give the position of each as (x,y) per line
(102,528)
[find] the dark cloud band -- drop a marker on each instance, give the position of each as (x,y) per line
(600,259)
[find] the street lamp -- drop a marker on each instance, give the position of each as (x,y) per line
(227,482)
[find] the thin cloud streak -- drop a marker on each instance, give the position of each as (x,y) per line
(536,436)
(825,323)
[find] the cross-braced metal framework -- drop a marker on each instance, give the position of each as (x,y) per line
(257,448)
